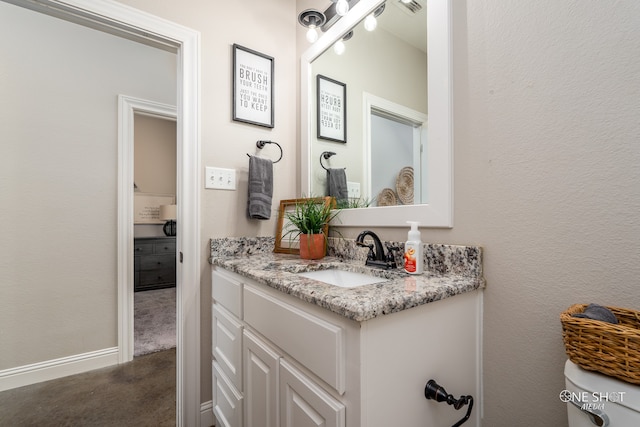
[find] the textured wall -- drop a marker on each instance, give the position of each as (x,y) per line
(547,181)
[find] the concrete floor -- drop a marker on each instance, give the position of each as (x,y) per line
(138,393)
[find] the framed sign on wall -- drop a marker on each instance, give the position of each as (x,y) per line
(252,87)
(332,109)
(146,207)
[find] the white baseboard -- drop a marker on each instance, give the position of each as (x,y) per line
(206,414)
(57,368)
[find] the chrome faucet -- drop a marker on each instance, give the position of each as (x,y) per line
(377,257)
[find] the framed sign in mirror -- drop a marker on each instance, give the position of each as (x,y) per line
(252,87)
(332,109)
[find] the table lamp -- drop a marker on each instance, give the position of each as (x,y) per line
(168,213)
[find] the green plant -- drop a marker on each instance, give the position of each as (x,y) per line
(310,216)
(354,203)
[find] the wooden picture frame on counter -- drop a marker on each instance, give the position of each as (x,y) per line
(283,244)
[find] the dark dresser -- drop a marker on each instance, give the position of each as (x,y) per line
(154,263)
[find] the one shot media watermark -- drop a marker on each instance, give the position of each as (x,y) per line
(591,400)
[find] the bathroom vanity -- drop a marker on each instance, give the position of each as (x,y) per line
(293,351)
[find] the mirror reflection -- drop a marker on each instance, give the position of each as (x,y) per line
(385,73)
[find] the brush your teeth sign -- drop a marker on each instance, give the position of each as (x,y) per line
(252,87)
(332,99)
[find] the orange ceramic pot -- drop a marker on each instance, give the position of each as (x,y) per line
(312,246)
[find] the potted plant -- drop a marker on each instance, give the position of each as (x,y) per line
(309,221)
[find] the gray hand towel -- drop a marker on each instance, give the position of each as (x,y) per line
(337,184)
(260,188)
(598,312)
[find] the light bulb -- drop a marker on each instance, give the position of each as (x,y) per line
(370,23)
(312,34)
(339,47)
(406,1)
(342,7)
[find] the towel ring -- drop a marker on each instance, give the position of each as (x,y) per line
(260,144)
(325,155)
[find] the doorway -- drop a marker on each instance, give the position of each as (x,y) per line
(154,290)
(395,138)
(392,149)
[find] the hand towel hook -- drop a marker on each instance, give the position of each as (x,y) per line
(260,144)
(325,155)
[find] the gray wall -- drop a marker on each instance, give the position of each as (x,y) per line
(58,176)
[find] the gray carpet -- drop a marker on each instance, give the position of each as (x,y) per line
(154,321)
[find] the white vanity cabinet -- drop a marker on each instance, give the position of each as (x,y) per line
(278,394)
(227,370)
(281,362)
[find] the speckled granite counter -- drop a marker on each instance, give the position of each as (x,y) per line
(449,270)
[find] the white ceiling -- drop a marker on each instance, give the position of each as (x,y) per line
(410,27)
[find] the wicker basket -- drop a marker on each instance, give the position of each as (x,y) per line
(610,349)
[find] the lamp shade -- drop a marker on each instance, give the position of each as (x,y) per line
(168,212)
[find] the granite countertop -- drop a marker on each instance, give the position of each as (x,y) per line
(450,270)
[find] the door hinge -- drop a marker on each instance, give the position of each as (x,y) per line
(180,257)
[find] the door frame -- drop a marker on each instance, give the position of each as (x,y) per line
(373,104)
(124,21)
(127,108)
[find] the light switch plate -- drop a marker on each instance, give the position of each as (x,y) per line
(353,190)
(220,178)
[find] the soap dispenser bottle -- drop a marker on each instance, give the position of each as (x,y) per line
(413,261)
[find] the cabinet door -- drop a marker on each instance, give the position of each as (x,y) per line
(260,383)
(227,401)
(227,343)
(226,290)
(313,341)
(305,404)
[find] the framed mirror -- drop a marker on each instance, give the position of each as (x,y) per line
(429,160)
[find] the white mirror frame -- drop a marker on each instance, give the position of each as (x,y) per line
(438,212)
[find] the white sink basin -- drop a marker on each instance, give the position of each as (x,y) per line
(344,279)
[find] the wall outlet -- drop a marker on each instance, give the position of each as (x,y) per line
(220,178)
(353,189)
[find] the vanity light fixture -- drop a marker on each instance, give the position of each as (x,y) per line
(339,46)
(371,21)
(312,19)
(342,7)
